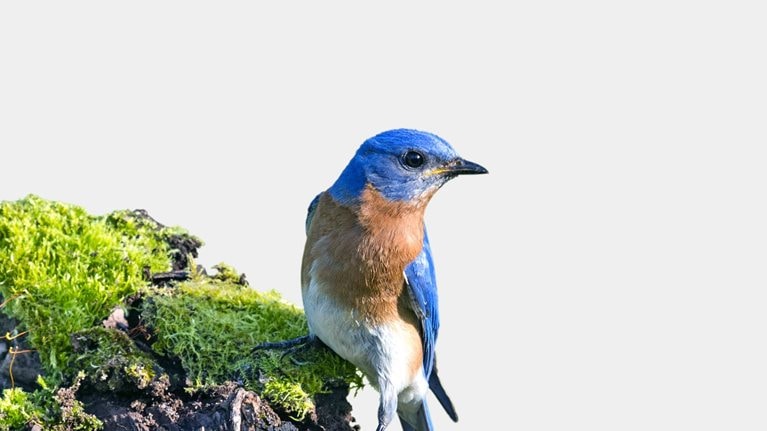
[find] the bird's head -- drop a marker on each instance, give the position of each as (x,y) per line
(402,165)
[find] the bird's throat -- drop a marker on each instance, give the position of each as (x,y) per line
(392,230)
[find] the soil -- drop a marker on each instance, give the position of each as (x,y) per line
(225,408)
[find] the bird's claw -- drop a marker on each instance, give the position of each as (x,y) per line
(290,347)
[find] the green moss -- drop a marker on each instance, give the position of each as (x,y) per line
(62,270)
(16,409)
(226,272)
(113,361)
(213,325)
(54,410)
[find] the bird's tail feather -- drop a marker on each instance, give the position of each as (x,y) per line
(405,426)
(423,420)
(436,386)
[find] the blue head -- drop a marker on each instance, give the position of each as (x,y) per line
(402,165)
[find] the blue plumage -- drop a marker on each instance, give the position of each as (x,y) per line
(379,161)
(422,285)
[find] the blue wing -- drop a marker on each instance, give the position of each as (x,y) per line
(422,285)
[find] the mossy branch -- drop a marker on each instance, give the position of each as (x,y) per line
(63,271)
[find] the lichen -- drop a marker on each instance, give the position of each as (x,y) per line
(72,412)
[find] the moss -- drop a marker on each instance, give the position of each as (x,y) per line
(55,410)
(226,272)
(113,361)
(62,270)
(213,325)
(16,409)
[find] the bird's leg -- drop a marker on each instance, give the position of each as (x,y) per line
(387,408)
(292,346)
(285,344)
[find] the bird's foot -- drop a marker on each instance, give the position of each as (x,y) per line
(284,344)
(291,347)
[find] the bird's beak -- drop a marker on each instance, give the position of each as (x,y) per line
(460,167)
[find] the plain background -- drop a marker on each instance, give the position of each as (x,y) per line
(609,274)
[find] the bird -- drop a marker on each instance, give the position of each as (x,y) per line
(368,284)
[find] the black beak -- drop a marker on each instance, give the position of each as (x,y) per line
(463,167)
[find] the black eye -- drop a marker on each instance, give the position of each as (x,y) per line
(413,159)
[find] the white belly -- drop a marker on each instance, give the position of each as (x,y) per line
(380,351)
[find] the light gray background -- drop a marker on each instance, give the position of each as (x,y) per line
(609,274)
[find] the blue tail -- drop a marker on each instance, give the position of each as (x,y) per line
(422,418)
(436,386)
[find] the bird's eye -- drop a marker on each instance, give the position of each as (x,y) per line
(413,159)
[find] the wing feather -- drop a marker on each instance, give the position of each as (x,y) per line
(422,286)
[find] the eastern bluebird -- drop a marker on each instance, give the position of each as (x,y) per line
(368,284)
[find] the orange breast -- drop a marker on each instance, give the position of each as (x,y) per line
(360,252)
